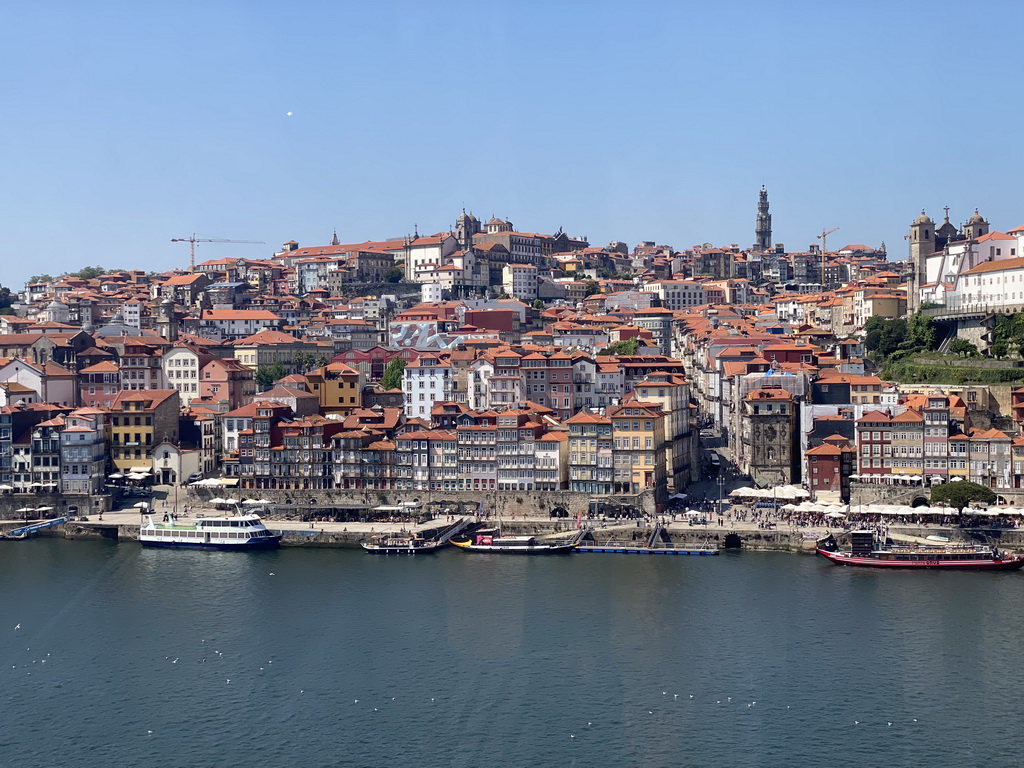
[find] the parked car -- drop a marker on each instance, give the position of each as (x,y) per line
(195,476)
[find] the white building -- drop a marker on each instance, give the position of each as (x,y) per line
(520,280)
(425,381)
(424,255)
(677,294)
(430,293)
(181,366)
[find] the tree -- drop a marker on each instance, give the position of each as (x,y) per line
(537,304)
(624,347)
(963,347)
(302,361)
(43,278)
(392,378)
(1000,350)
(592,287)
(266,375)
(394,275)
(921,333)
(960,494)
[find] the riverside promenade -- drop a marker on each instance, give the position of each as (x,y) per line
(123,525)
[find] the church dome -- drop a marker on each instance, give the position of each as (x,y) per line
(977,218)
(56,304)
(924,218)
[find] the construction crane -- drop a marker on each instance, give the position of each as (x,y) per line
(824,234)
(192,240)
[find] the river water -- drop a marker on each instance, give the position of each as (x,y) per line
(132,657)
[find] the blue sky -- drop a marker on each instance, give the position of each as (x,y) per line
(126,124)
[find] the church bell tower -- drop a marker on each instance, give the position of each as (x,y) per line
(763,228)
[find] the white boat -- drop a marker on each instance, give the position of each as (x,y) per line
(243,531)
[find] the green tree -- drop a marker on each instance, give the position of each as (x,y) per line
(592,287)
(43,278)
(394,275)
(266,375)
(302,361)
(963,347)
(392,378)
(960,494)
(1000,349)
(537,304)
(624,347)
(921,333)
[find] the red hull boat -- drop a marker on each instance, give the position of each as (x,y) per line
(869,552)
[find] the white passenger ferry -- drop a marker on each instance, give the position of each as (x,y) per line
(245,531)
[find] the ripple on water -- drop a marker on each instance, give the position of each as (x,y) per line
(472,660)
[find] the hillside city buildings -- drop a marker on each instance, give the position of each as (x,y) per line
(532,362)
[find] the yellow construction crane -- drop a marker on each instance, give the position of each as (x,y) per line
(192,240)
(824,234)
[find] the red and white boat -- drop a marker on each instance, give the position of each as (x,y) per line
(869,551)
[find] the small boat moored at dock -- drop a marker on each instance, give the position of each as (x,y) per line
(867,550)
(402,545)
(411,543)
(243,532)
(490,541)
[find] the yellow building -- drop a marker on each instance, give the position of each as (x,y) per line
(139,420)
(338,387)
(638,439)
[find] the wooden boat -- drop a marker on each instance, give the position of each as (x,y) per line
(485,541)
(402,545)
(869,551)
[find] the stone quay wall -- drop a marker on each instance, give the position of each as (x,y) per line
(504,504)
(62,505)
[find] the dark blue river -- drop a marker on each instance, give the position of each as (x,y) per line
(131,657)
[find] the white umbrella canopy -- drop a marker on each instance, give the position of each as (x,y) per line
(6,487)
(251,501)
(217,500)
(43,509)
(835,515)
(141,505)
(744,491)
(115,475)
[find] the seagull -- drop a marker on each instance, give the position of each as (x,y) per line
(915,719)
(718,702)
(572,736)
(261,669)
(288,114)
(664,693)
(649,712)
(889,725)
(357,701)
(675,695)
(728,698)
(174,662)
(18,626)
(148,731)
(273,574)
(589,724)
(856,722)
(229,679)
(691,695)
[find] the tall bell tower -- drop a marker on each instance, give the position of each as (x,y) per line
(922,245)
(763,227)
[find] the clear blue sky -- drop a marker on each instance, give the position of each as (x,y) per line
(126,124)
